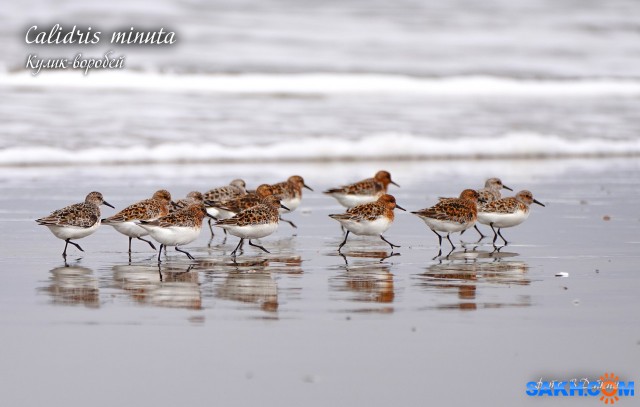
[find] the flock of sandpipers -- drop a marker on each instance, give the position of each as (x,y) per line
(255,214)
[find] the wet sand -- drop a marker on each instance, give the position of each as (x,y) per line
(304,326)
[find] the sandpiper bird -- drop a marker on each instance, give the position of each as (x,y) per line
(491,190)
(75,221)
(193,197)
(365,191)
(255,222)
(370,219)
(290,194)
(126,220)
(452,215)
(228,209)
(506,212)
(236,188)
(177,228)
(490,193)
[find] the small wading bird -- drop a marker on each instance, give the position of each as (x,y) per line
(236,188)
(178,228)
(361,192)
(255,222)
(506,212)
(451,215)
(370,219)
(489,193)
(75,221)
(290,194)
(126,220)
(228,209)
(193,197)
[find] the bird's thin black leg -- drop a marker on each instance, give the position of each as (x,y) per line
(289,222)
(185,252)
(160,252)
(390,244)
(233,253)
(439,237)
(343,242)
(148,241)
(449,254)
(211,228)
(495,235)
(482,236)
(505,240)
(449,239)
(75,244)
(258,246)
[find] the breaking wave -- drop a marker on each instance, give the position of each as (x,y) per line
(382,146)
(322,83)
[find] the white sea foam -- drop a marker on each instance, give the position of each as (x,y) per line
(321,83)
(383,146)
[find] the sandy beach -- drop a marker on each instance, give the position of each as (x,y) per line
(304,326)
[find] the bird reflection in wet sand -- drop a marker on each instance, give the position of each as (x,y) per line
(73,285)
(473,272)
(163,286)
(380,255)
(280,263)
(254,280)
(251,287)
(366,280)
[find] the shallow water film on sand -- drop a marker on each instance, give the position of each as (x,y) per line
(370,326)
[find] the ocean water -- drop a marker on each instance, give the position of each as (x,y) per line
(333,80)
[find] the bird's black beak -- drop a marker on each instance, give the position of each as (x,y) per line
(506,187)
(108,204)
(284,207)
(539,203)
(307,186)
(391,182)
(400,207)
(211,216)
